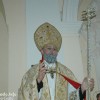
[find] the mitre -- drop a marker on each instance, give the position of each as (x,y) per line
(47,34)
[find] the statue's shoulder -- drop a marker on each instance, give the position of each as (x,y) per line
(29,77)
(31,73)
(64,68)
(66,71)
(33,70)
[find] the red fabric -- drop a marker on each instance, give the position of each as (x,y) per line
(85,98)
(41,59)
(73,83)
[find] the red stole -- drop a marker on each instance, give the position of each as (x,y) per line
(76,85)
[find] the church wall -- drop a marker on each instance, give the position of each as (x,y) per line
(72,55)
(16,21)
(3,55)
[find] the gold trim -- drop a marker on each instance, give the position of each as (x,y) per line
(48,88)
(56,79)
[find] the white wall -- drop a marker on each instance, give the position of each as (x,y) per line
(3,55)
(72,55)
(16,21)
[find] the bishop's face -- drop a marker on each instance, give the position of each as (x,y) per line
(49,53)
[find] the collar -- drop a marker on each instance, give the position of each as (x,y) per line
(49,65)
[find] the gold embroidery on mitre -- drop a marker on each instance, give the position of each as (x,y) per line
(47,34)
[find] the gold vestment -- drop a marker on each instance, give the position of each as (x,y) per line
(28,89)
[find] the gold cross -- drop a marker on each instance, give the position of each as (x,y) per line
(51,71)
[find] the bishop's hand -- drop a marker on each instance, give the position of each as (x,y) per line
(84,85)
(41,72)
